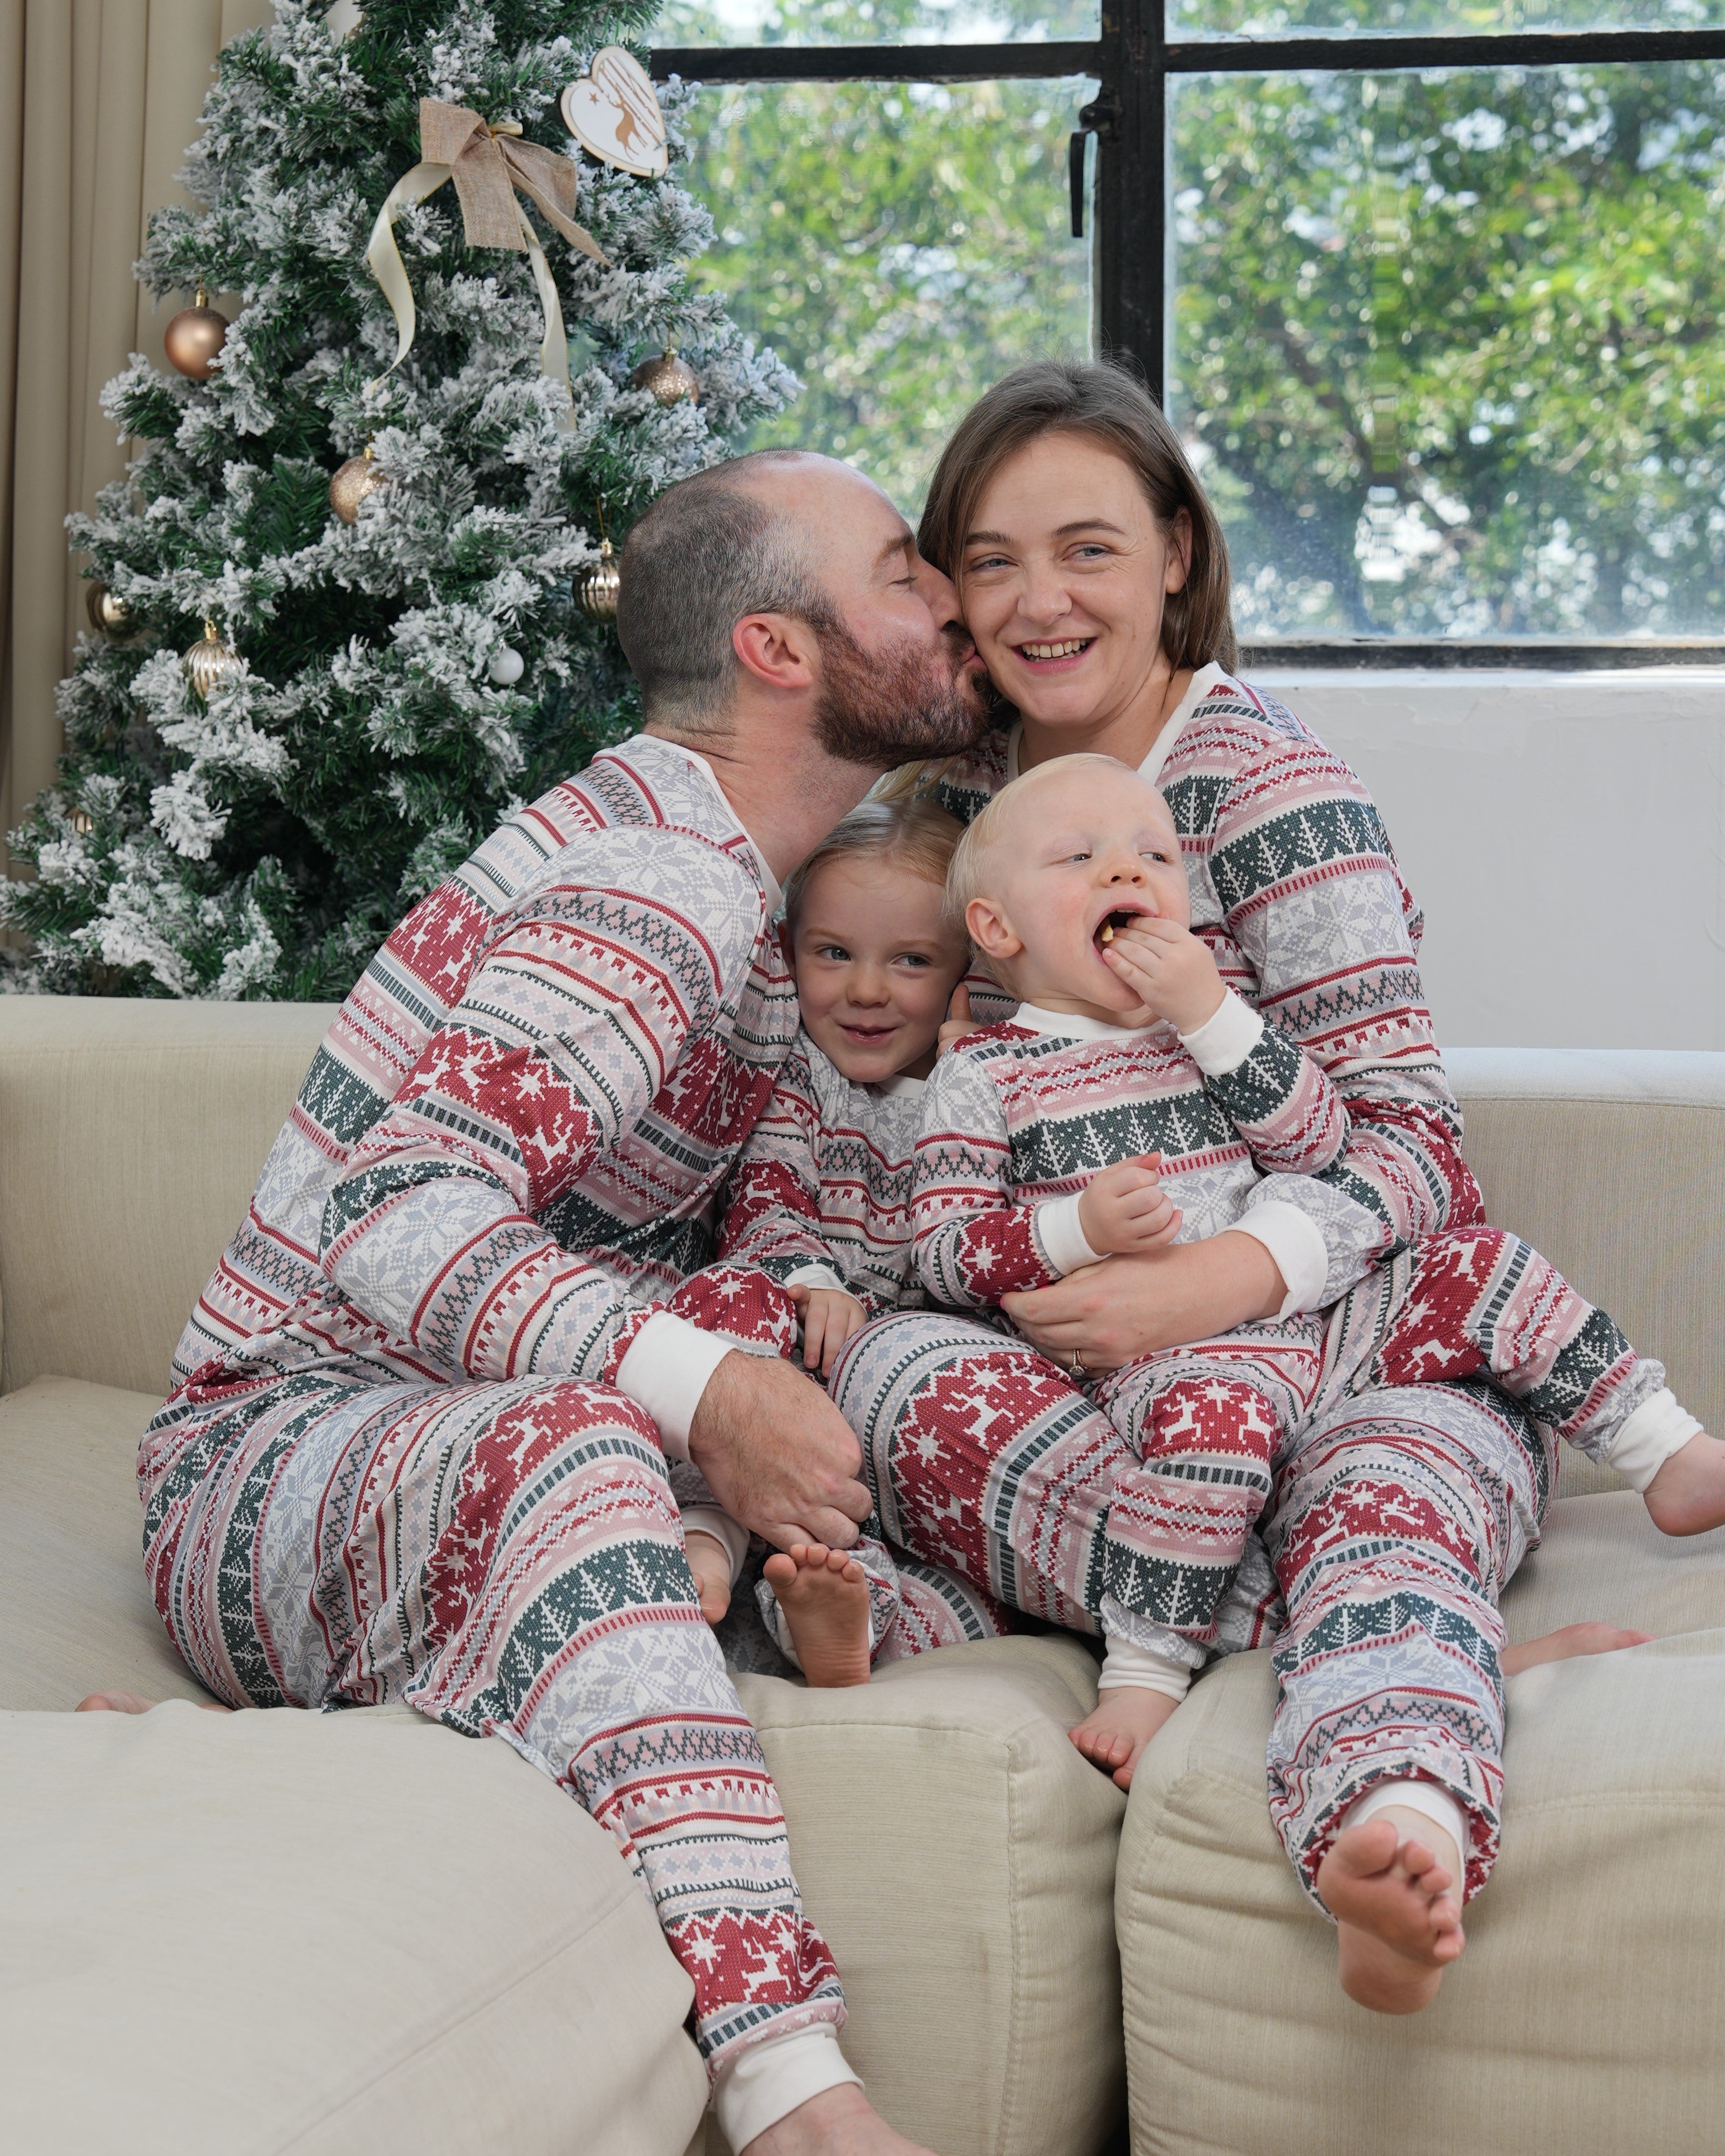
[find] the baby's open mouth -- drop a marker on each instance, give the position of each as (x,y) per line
(1111,923)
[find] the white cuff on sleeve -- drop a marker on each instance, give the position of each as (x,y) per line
(666,1370)
(814,1273)
(766,2081)
(1127,1663)
(1411,1795)
(1059,1236)
(1295,1242)
(731,1535)
(1226,1039)
(1656,1429)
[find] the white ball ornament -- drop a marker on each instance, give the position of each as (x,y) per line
(507,667)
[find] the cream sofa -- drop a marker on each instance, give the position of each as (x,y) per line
(333,1933)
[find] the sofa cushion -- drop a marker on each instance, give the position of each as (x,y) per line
(75,1616)
(948,1786)
(958,1855)
(132,1133)
(1583,2016)
(239,1932)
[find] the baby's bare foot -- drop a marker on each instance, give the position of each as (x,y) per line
(1687,1495)
(824,1596)
(710,1561)
(1398,1926)
(1114,1735)
(1587,1639)
(128,1702)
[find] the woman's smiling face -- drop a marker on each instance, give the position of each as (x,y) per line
(1063,577)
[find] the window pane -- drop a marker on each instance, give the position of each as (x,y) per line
(873,22)
(1449,346)
(900,247)
(1470,19)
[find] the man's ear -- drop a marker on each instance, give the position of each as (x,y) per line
(990,930)
(1179,552)
(777,650)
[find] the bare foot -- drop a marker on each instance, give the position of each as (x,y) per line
(710,1561)
(1112,1736)
(838,2122)
(128,1702)
(1571,1640)
(1687,1495)
(1398,1926)
(824,1596)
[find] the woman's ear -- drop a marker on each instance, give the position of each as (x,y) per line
(990,930)
(1179,552)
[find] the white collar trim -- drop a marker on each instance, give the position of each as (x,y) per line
(1070,1026)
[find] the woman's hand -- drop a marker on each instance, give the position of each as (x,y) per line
(1126,1307)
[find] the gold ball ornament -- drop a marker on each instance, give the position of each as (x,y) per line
(358,478)
(670,380)
(111,616)
(596,589)
(210,664)
(194,336)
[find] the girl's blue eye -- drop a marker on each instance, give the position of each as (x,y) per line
(832,951)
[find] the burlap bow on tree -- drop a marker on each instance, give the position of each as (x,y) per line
(487,164)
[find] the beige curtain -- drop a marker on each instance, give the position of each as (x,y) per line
(98,100)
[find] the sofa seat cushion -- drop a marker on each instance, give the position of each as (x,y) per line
(958,1854)
(229,1933)
(75,1616)
(1583,2016)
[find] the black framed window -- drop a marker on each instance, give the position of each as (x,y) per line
(1432,288)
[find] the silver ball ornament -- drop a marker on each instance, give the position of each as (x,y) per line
(506,666)
(111,616)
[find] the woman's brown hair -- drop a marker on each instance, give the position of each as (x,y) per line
(1111,408)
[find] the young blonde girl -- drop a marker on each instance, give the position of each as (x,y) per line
(819,1202)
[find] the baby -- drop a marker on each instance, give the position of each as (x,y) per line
(1135,1100)
(819,1201)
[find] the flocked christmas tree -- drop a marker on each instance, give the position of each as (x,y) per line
(398,680)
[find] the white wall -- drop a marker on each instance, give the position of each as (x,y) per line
(1565,834)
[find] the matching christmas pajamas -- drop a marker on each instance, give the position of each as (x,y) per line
(418,1447)
(1397,1516)
(821,1196)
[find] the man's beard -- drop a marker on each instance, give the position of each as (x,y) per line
(895,706)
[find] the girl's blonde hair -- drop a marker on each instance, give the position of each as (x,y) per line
(913,832)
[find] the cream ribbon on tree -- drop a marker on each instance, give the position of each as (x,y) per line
(487,165)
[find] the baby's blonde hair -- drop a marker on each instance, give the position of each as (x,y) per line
(965,877)
(913,832)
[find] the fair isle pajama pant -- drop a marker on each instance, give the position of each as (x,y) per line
(1393,1512)
(507,1558)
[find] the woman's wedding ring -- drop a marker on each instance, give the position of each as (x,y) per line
(1076,1366)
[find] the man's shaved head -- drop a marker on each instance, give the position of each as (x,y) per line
(711,549)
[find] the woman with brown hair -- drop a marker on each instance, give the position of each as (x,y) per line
(1093,576)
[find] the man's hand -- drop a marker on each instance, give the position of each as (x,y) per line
(1169,969)
(1126,1210)
(829,1317)
(778,1454)
(957,1021)
(1126,1307)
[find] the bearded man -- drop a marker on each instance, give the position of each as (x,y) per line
(418,1447)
